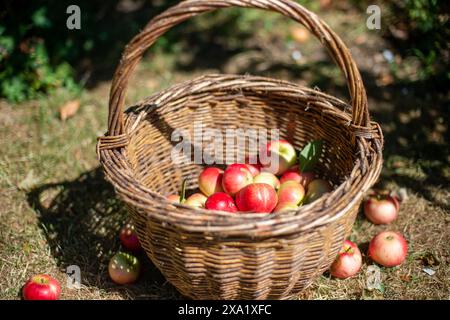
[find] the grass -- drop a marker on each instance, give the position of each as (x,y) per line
(56,210)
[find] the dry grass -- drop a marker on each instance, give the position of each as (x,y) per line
(56,210)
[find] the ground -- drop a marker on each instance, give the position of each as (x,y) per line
(56,210)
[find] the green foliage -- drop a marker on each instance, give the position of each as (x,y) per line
(309,155)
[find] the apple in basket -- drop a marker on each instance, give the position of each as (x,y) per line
(282,207)
(316,189)
(348,261)
(304,178)
(173,198)
(381,209)
(197,200)
(41,287)
(278,156)
(236,177)
(388,248)
(210,181)
(291,192)
(124,268)
(221,201)
(257,197)
(129,238)
(267,177)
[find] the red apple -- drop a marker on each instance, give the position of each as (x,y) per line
(304,178)
(388,248)
(124,268)
(197,200)
(129,238)
(282,207)
(267,177)
(381,209)
(348,261)
(254,169)
(173,198)
(41,287)
(291,192)
(278,156)
(210,181)
(236,177)
(316,189)
(221,201)
(257,197)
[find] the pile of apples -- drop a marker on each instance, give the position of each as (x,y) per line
(256,188)
(387,248)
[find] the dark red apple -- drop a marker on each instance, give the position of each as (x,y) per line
(129,238)
(210,181)
(304,178)
(388,248)
(278,156)
(290,192)
(236,177)
(348,261)
(197,200)
(381,209)
(267,177)
(257,197)
(221,201)
(41,287)
(124,268)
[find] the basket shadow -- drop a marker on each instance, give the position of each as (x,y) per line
(81,220)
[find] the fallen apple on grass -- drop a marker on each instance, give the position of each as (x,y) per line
(124,268)
(381,209)
(221,201)
(278,156)
(257,197)
(290,192)
(129,238)
(388,249)
(348,261)
(236,177)
(269,178)
(210,181)
(41,287)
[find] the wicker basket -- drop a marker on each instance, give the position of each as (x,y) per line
(219,255)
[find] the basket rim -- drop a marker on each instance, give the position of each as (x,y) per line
(313,215)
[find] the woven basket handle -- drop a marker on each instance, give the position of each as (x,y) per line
(160,24)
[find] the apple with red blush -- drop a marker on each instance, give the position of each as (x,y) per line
(388,249)
(41,287)
(269,178)
(236,177)
(124,268)
(257,197)
(381,209)
(210,181)
(348,261)
(283,207)
(278,156)
(304,178)
(221,201)
(197,200)
(291,192)
(129,239)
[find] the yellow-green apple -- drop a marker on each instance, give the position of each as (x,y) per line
(210,181)
(257,197)
(282,207)
(381,209)
(277,157)
(197,200)
(124,268)
(129,238)
(41,287)
(221,201)
(348,261)
(304,178)
(388,248)
(290,192)
(267,177)
(316,189)
(236,177)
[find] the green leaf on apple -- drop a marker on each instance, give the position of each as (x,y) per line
(309,156)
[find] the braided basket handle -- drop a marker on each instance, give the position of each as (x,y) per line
(160,24)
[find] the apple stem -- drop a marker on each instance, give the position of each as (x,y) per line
(183,191)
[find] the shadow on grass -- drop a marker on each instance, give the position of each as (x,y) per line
(81,220)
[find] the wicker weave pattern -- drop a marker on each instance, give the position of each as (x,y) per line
(222,255)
